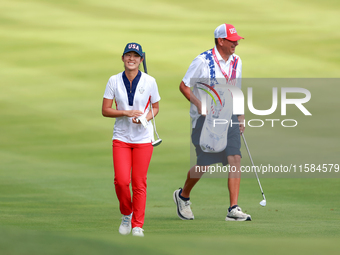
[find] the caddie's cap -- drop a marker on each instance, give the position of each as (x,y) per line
(227,31)
(133,47)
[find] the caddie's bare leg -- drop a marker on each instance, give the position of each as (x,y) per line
(193,176)
(234,178)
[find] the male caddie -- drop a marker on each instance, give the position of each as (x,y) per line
(212,66)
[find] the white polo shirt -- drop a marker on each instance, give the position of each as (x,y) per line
(199,69)
(124,129)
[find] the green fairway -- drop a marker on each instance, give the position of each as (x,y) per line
(56,175)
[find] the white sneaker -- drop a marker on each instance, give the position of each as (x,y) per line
(183,207)
(137,232)
(125,226)
(236,214)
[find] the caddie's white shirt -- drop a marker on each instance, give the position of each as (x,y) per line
(124,129)
(199,68)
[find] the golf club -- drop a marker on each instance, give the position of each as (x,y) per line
(263,202)
(158,141)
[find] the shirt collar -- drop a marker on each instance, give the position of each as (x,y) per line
(220,58)
(131,90)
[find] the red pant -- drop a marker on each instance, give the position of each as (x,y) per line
(131,161)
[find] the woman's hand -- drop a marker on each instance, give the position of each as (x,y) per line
(133,113)
(108,111)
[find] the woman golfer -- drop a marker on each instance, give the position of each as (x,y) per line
(132,91)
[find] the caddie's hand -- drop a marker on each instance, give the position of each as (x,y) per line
(242,122)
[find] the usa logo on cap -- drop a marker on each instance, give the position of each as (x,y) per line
(133,46)
(232,30)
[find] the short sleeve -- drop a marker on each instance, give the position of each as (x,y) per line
(155,97)
(197,69)
(110,89)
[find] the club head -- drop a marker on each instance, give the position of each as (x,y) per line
(263,202)
(157,142)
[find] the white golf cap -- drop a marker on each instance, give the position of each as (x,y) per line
(227,31)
